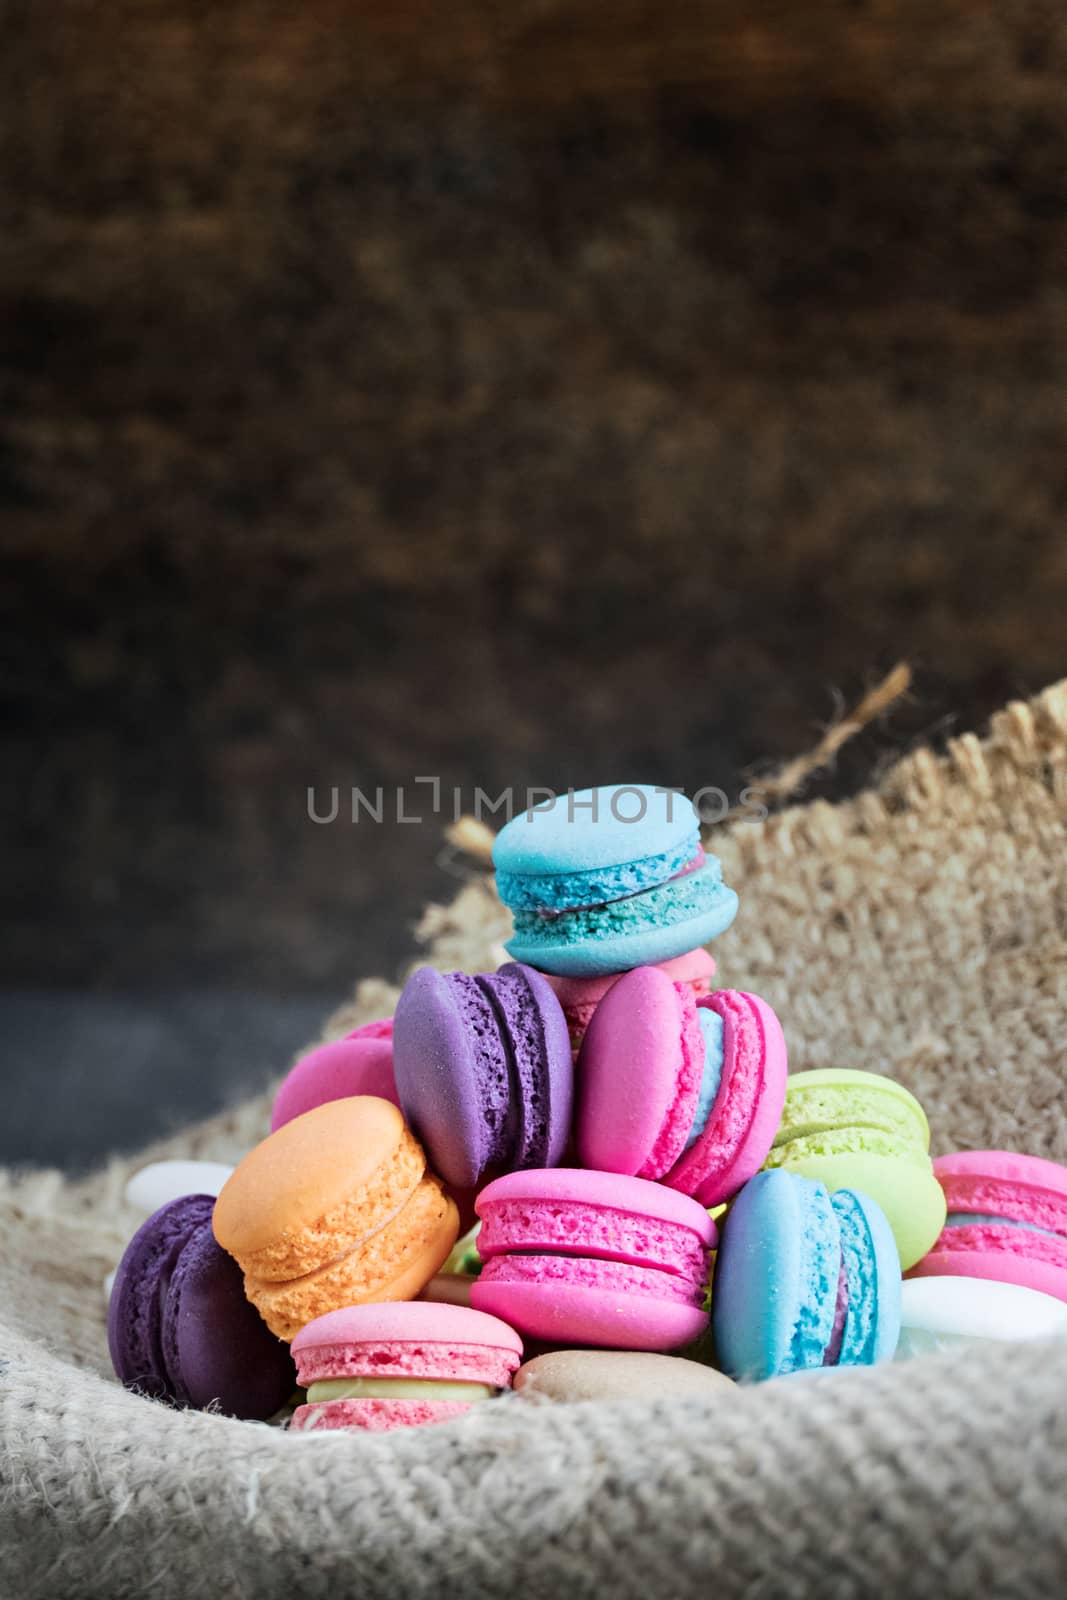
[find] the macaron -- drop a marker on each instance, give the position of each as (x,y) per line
(949,1313)
(335,1209)
(179,1326)
(360,1063)
(803,1279)
(688,1092)
(592,1258)
(580,997)
(568,1375)
(857,1130)
(1006,1221)
(380,1367)
(610,878)
(484,1070)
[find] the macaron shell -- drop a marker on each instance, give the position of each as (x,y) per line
(829,1098)
(452,1072)
(951,1313)
(597,1231)
(587,829)
(314,1166)
(998,1262)
(561,1189)
(216,1347)
(412,1333)
(338,1071)
(573,1375)
(908,1194)
(1001,1183)
(746,1113)
(775,1287)
(380,1028)
(375,1416)
(639,1076)
(429,1360)
(581,1310)
(135,1309)
(394,1263)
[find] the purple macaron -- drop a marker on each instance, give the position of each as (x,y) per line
(180,1328)
(484,1070)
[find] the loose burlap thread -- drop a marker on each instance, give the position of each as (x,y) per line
(919,930)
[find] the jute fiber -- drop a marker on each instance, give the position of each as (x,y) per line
(919,930)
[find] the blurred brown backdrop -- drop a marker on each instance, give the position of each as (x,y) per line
(534,393)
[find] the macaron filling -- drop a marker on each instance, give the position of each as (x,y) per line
(832,1353)
(980,1219)
(711,1028)
(558,892)
(397,1389)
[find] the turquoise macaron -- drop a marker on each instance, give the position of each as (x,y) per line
(804,1279)
(602,880)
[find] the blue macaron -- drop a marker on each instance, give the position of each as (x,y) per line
(804,1279)
(602,880)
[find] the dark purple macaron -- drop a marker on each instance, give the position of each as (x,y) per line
(484,1070)
(180,1328)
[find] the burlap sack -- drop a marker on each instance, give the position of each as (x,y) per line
(919,930)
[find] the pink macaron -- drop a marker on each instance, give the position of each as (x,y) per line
(687,1092)
(580,997)
(1007,1221)
(400,1365)
(592,1258)
(360,1063)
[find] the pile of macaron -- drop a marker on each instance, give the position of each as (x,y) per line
(584,1175)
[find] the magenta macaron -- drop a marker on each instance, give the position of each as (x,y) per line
(1007,1221)
(360,1063)
(400,1365)
(592,1258)
(687,1092)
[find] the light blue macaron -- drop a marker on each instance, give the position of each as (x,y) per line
(592,879)
(804,1280)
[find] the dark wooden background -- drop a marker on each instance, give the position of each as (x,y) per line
(536,392)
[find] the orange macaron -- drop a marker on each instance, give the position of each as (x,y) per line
(337,1208)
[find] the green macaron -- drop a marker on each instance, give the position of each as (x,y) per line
(856,1130)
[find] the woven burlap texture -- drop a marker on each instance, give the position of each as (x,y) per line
(919,930)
